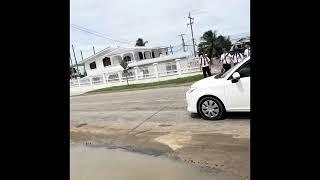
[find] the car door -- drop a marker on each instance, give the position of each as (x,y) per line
(238,93)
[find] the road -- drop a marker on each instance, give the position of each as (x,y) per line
(155,122)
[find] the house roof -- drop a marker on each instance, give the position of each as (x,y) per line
(241,40)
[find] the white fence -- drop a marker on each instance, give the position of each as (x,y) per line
(141,74)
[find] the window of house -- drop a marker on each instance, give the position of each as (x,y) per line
(153,56)
(106,61)
(171,67)
(127,59)
(147,55)
(140,55)
(93,65)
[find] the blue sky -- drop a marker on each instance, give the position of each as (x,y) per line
(157,21)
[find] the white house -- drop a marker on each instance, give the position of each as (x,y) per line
(240,42)
(140,58)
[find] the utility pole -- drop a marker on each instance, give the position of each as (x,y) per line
(94,52)
(70,60)
(75,59)
(81,55)
(171,49)
(194,49)
(71,69)
(183,44)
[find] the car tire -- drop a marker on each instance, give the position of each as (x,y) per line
(211,108)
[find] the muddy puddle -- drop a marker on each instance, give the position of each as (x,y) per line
(92,163)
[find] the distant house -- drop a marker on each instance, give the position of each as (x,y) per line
(240,42)
(108,60)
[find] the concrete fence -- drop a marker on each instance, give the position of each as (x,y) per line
(142,74)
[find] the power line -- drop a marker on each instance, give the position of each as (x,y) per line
(96,33)
(178,49)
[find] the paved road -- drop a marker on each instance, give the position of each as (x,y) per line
(137,105)
(156,121)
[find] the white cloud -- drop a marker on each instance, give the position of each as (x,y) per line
(158,21)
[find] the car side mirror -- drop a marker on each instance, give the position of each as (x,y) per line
(235,77)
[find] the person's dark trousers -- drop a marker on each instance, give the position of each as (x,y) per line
(226,67)
(206,70)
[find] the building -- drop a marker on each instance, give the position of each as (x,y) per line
(240,42)
(139,59)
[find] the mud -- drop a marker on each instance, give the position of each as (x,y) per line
(104,164)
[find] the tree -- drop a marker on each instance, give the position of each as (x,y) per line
(126,69)
(73,72)
(212,44)
(140,42)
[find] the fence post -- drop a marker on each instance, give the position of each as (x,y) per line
(120,77)
(178,66)
(78,82)
(155,66)
(91,83)
(107,79)
(136,72)
(104,79)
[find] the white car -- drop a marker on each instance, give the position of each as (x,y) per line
(226,92)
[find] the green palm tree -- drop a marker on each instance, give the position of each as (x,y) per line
(140,42)
(212,44)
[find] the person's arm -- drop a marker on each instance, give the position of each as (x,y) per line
(228,59)
(209,62)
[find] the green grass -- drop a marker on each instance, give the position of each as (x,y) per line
(168,83)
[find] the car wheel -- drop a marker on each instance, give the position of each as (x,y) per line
(211,108)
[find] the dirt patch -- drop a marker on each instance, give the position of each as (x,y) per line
(130,142)
(219,151)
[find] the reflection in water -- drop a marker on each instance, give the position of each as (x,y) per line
(105,164)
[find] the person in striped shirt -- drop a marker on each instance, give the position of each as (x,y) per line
(226,59)
(204,65)
(236,56)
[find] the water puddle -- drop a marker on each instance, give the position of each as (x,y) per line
(88,163)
